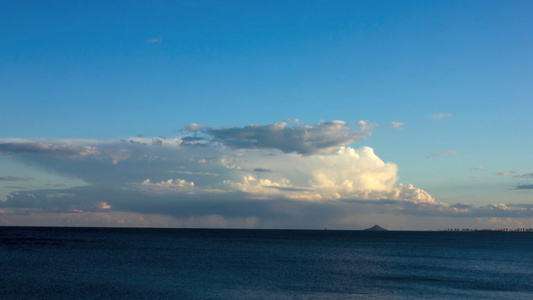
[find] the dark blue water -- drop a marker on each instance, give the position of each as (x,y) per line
(97,263)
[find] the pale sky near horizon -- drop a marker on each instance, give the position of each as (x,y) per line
(266,114)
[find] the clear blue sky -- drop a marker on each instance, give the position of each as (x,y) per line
(77,77)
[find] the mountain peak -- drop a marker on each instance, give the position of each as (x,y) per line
(376,228)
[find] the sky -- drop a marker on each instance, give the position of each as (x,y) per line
(414,115)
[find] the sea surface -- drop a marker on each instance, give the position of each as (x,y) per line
(126,263)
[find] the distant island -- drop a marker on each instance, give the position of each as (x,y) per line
(375,228)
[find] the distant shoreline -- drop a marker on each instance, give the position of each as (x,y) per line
(519,230)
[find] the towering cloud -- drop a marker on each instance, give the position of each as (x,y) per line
(272,162)
(259,175)
(347,173)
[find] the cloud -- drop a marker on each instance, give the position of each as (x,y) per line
(442,154)
(323,137)
(14,178)
(524,187)
(137,182)
(397,125)
(262,170)
(195,173)
(130,167)
(462,210)
(366,126)
(507,173)
(132,208)
(157,142)
(347,173)
(479,169)
(104,206)
(441,116)
(530,175)
(193,127)
(521,205)
(165,186)
(462,206)
(30,147)
(154,41)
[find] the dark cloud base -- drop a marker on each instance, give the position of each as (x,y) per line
(283,212)
(525,187)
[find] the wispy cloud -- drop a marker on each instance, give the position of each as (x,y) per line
(195,173)
(529,175)
(366,126)
(262,170)
(31,147)
(441,116)
(480,169)
(397,125)
(154,40)
(164,186)
(521,205)
(524,187)
(507,173)
(14,178)
(442,154)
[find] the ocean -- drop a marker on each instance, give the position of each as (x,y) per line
(133,263)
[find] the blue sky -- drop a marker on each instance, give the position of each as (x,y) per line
(98,96)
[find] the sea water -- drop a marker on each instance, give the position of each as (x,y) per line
(125,263)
